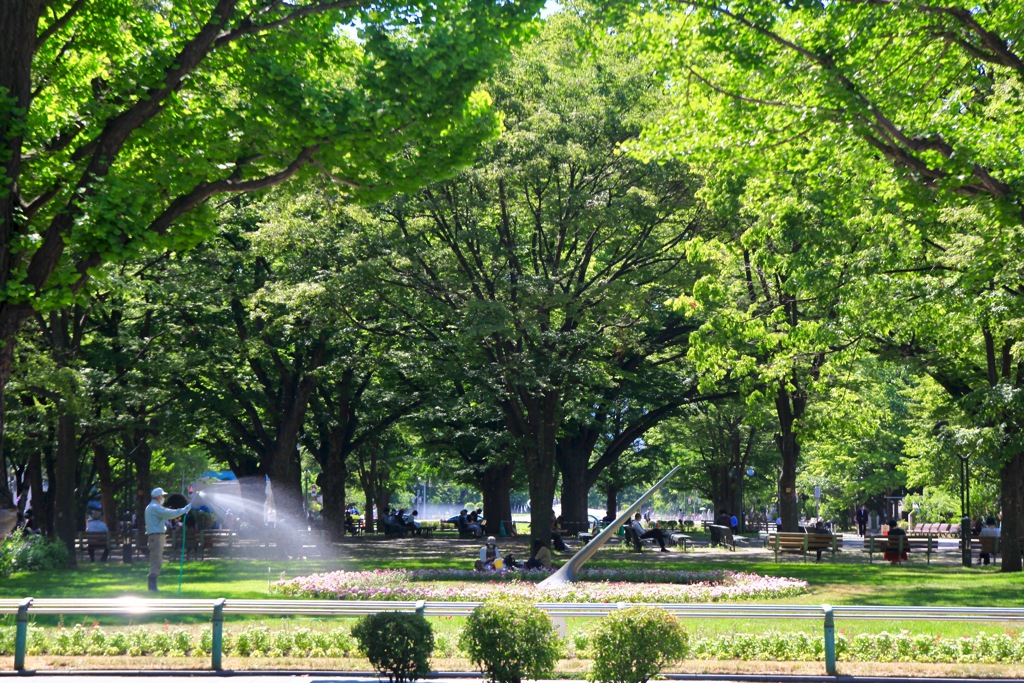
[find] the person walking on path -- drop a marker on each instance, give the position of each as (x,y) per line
(862,520)
(157,517)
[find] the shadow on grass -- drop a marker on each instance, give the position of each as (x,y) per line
(842,582)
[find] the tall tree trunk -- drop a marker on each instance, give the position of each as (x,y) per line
(496,485)
(611,504)
(721,488)
(19,24)
(368,518)
(535,420)
(382,494)
(101,461)
(285,474)
(6,494)
(1012,494)
(40,511)
(573,461)
(332,486)
(252,487)
(789,407)
(542,496)
(285,465)
(141,457)
(65,508)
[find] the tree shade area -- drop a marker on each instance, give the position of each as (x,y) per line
(351,248)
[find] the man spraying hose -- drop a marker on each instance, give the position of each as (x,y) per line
(157,517)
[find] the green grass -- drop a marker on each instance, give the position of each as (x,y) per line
(839,583)
(842,583)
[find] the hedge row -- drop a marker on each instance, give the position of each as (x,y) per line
(261,641)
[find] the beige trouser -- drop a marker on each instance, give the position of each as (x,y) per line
(156,552)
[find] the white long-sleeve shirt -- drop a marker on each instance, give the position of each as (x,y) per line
(157,516)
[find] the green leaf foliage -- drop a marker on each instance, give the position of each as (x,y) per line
(510,639)
(635,644)
(398,644)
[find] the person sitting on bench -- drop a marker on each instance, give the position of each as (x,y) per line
(892,552)
(95,525)
(989,530)
(819,528)
(641,533)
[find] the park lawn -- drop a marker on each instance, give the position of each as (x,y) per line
(839,583)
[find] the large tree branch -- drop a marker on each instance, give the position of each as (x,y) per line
(248,27)
(59,23)
(996,50)
(199,194)
(900,146)
(102,151)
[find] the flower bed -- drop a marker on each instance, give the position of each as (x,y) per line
(595,586)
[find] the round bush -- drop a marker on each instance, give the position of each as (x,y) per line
(510,639)
(635,644)
(27,552)
(397,644)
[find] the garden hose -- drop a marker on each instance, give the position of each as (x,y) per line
(181,564)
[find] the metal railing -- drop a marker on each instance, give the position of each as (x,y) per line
(130,606)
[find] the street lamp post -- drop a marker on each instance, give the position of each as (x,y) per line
(743,510)
(965,509)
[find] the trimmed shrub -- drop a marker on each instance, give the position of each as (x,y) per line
(397,644)
(635,644)
(510,639)
(25,552)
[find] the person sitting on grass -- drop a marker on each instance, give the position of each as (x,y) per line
(488,556)
(541,557)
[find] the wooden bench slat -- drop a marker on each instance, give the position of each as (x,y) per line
(797,542)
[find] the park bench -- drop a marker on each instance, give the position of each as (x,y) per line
(392,530)
(465,531)
(802,544)
(216,541)
(634,541)
(722,535)
(988,544)
(682,540)
(88,542)
(193,549)
(900,544)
